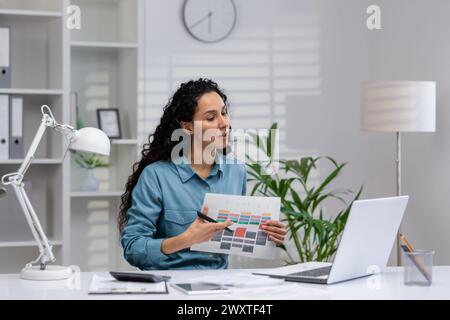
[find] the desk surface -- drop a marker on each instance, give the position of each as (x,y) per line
(387,285)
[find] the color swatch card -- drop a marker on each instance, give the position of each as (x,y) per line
(247,213)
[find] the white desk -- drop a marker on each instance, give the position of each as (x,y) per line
(388,285)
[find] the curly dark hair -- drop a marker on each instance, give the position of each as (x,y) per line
(180,108)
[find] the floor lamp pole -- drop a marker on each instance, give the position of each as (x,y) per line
(399,192)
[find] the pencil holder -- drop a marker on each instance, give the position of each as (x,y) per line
(418,267)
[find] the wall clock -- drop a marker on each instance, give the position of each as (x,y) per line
(209,20)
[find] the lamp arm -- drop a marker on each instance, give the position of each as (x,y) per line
(32,150)
(15,179)
(47,121)
(46,254)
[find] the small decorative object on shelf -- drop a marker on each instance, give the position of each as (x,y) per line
(89,162)
(109,122)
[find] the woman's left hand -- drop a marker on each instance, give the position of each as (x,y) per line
(275,230)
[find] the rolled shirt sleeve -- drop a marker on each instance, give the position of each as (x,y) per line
(141,246)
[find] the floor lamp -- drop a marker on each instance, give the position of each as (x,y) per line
(398,106)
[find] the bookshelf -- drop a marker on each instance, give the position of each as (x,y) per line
(37,71)
(104,59)
(48,63)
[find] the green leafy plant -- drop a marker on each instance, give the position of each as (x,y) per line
(315,237)
(80,123)
(89,160)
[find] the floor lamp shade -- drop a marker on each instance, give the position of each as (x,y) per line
(398,106)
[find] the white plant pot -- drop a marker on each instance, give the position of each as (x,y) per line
(90,182)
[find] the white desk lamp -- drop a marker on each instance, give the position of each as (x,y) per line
(398,106)
(87,140)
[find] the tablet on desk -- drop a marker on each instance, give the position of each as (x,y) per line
(200,288)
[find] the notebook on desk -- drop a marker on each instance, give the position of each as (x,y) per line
(106,284)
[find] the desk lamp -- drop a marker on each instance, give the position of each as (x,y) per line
(87,139)
(398,106)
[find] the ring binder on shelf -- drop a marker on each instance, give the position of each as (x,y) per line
(5,58)
(16,128)
(4,127)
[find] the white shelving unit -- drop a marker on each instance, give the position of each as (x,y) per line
(99,62)
(104,60)
(103,45)
(30,13)
(38,92)
(98,194)
(124,141)
(35,161)
(37,73)
(31,243)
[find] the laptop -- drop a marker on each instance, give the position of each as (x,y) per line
(364,248)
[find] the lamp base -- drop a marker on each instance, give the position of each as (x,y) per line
(51,272)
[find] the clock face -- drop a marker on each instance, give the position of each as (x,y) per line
(209,20)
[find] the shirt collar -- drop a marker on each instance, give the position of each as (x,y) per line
(185,170)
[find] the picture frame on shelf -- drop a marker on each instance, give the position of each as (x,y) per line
(109,122)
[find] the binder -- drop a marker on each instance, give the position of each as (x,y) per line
(5,58)
(4,127)
(16,128)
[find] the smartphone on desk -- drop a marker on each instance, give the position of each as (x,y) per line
(200,288)
(138,276)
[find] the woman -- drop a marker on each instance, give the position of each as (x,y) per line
(158,219)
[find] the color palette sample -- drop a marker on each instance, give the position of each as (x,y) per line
(241,237)
(248,214)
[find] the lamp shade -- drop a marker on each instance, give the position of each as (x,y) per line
(91,140)
(398,106)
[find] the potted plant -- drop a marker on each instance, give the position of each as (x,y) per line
(89,162)
(314,236)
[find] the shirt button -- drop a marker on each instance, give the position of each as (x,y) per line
(206,188)
(211,256)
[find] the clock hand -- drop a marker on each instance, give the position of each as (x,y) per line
(210,15)
(201,20)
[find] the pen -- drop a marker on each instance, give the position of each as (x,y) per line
(418,261)
(205,217)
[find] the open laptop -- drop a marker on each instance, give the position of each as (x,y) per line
(364,249)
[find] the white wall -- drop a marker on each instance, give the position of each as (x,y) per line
(414,45)
(296,62)
(301,63)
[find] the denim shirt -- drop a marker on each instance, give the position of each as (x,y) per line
(164,204)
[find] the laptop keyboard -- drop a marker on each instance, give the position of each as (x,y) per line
(312,273)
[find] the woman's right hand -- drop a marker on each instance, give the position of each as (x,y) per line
(201,230)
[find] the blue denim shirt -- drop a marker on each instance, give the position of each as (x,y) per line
(164,204)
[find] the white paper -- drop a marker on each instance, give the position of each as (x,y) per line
(247,213)
(283,292)
(239,280)
(107,284)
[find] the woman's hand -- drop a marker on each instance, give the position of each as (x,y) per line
(201,231)
(275,230)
